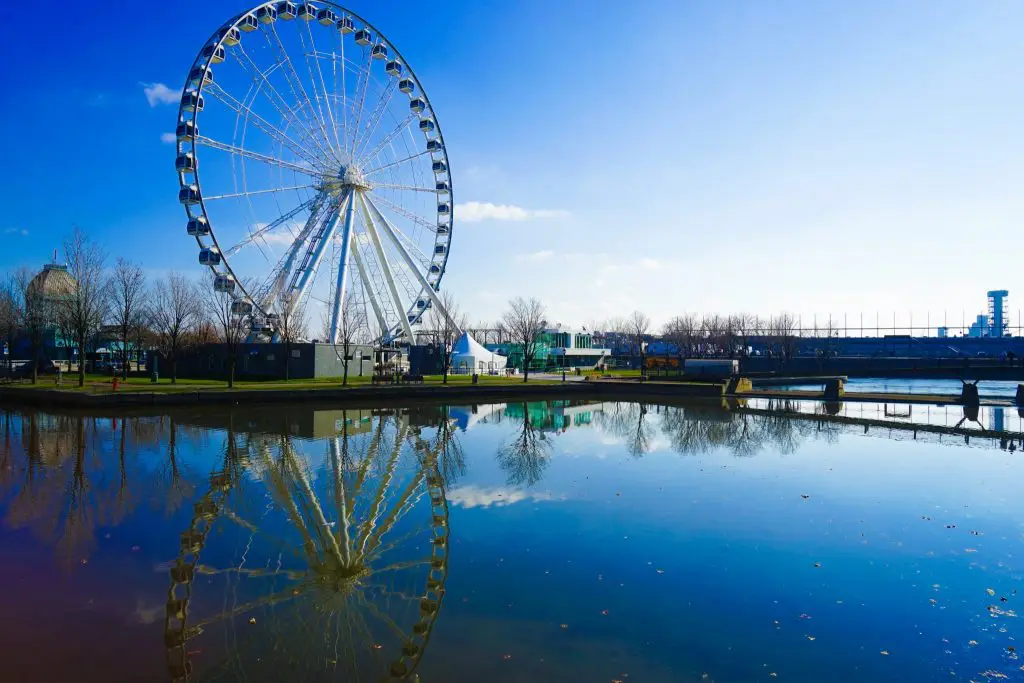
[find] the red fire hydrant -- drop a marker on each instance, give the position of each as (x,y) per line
(115,383)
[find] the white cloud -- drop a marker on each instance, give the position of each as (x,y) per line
(168,138)
(475,212)
(278,238)
(650,264)
(282,234)
(158,93)
(16,231)
(537,256)
(475,496)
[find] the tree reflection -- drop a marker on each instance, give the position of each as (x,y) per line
(66,476)
(696,430)
(629,422)
(526,455)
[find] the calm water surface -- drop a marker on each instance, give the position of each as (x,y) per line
(536,542)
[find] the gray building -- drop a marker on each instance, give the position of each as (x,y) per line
(267,361)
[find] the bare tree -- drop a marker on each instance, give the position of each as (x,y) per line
(12,314)
(128,297)
(445,329)
(638,325)
(292,326)
(524,322)
(231,328)
(85,307)
(176,312)
(784,331)
(142,334)
(352,330)
(684,332)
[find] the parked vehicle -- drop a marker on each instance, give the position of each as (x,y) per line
(46,367)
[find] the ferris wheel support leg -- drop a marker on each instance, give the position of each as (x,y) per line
(379,248)
(285,271)
(339,290)
(390,232)
(295,296)
(370,294)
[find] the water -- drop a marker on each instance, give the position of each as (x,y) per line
(888,385)
(545,542)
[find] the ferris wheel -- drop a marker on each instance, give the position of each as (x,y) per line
(342,564)
(313,172)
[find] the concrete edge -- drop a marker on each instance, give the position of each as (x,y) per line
(599,389)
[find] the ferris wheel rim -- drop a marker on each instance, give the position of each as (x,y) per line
(414,312)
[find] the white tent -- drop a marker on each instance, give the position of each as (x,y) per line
(467,416)
(470,356)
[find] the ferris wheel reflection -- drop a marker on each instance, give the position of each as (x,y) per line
(324,559)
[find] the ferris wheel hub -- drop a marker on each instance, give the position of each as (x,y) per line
(349,177)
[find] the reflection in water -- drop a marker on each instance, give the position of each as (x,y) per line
(298,544)
(341,566)
(63,488)
(526,454)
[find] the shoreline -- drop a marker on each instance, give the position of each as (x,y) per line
(370,395)
(359,395)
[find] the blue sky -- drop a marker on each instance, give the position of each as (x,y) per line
(699,156)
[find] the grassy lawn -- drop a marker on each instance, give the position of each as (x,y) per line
(104,383)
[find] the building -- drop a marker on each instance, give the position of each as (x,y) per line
(557,349)
(573,349)
(979,328)
(997,313)
(267,361)
(44,296)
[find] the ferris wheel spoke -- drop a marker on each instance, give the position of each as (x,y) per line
(386,591)
(284,218)
(410,188)
(415,218)
(391,135)
(344,93)
(321,527)
(272,131)
(400,566)
(272,599)
(378,500)
(255,192)
(362,85)
(295,81)
(377,115)
(383,618)
(406,501)
(272,94)
(367,289)
(396,163)
(343,524)
(385,267)
(256,156)
(427,287)
(323,85)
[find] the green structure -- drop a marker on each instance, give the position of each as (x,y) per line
(557,349)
